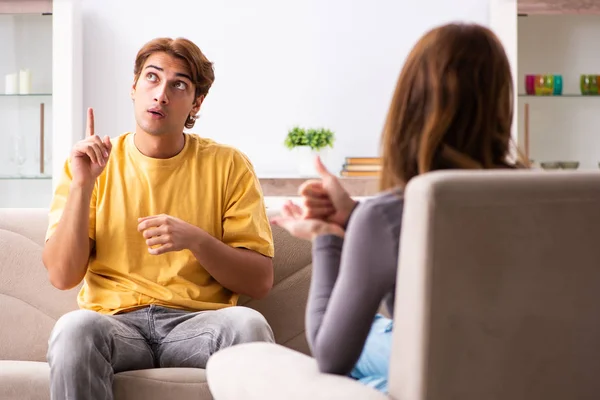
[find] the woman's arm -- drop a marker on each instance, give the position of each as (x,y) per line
(350,278)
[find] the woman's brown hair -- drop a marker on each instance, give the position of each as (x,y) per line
(452,107)
(201,69)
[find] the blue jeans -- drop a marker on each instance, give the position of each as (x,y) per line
(86,348)
(373,365)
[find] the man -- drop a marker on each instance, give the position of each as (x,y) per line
(165,228)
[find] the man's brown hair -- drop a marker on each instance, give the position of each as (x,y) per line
(201,69)
(452,106)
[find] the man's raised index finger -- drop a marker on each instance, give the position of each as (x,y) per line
(90,122)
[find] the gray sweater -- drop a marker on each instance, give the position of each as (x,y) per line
(351,277)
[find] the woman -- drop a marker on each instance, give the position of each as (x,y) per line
(452,109)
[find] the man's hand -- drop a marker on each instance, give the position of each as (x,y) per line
(292,220)
(164,233)
(90,155)
(326,199)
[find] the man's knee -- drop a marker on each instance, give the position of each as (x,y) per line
(248,325)
(77,331)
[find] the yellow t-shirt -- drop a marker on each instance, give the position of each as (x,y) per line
(207,184)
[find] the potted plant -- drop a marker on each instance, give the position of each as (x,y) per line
(296,137)
(308,143)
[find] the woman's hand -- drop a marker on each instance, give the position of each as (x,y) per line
(325,198)
(293,221)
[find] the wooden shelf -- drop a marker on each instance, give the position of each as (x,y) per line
(289,186)
(554,7)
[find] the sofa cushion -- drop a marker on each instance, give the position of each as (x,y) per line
(24,380)
(29,380)
(24,330)
(284,308)
(163,383)
(291,254)
(285,305)
(27,299)
(28,222)
(267,371)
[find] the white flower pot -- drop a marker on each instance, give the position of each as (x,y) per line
(305,161)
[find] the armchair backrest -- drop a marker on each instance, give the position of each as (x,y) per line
(498,290)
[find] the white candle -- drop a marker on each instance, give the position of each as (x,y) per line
(11,84)
(25,81)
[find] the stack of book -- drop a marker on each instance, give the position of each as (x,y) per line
(362,167)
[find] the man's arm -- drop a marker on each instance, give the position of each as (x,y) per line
(67,251)
(69,239)
(241,260)
(239,270)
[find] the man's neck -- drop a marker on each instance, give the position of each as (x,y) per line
(164,146)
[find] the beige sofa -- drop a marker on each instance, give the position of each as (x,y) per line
(29,307)
(497,298)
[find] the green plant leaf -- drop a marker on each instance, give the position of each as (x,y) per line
(316,139)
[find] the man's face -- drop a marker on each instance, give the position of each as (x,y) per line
(164,96)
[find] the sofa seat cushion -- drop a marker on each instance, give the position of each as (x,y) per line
(161,383)
(268,371)
(24,380)
(30,380)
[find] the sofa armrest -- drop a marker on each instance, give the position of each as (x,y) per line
(266,371)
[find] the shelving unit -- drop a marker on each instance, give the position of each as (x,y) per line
(25,118)
(559,38)
(43,36)
(552,37)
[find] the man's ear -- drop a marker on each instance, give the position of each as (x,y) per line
(132,93)
(197,104)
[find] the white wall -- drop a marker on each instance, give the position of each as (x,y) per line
(504,23)
(561,128)
(329,63)
(67,63)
